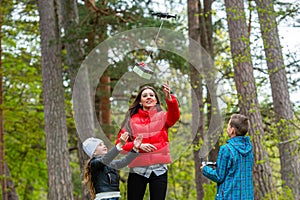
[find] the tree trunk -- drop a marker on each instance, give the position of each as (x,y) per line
(74,51)
(11,192)
(2,153)
(59,175)
(247,95)
(206,38)
(104,107)
(289,156)
(102,99)
(84,117)
(74,56)
(197,103)
(198,118)
(206,27)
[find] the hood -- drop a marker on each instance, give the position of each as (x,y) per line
(242,144)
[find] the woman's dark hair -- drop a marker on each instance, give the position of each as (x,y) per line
(135,106)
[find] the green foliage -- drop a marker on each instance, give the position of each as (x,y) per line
(25,148)
(76,176)
(210,190)
(24,135)
(285,194)
(23,108)
(181,183)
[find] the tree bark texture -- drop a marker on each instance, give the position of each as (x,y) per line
(289,156)
(197,102)
(11,191)
(73,45)
(74,56)
(2,152)
(247,95)
(84,117)
(102,99)
(59,175)
(104,90)
(206,38)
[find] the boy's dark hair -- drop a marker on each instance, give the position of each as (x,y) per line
(240,123)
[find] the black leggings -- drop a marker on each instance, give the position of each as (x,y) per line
(137,186)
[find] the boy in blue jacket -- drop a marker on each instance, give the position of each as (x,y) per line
(233,171)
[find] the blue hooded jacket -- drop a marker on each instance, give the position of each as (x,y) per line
(233,173)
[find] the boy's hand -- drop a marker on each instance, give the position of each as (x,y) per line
(203,165)
(123,139)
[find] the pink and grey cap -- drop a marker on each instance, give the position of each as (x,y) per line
(89,145)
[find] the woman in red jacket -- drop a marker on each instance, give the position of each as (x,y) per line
(145,116)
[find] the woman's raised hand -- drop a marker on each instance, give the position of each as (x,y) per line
(167,90)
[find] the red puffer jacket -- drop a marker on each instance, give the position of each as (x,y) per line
(153,126)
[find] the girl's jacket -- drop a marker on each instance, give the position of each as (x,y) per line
(104,173)
(153,125)
(233,173)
